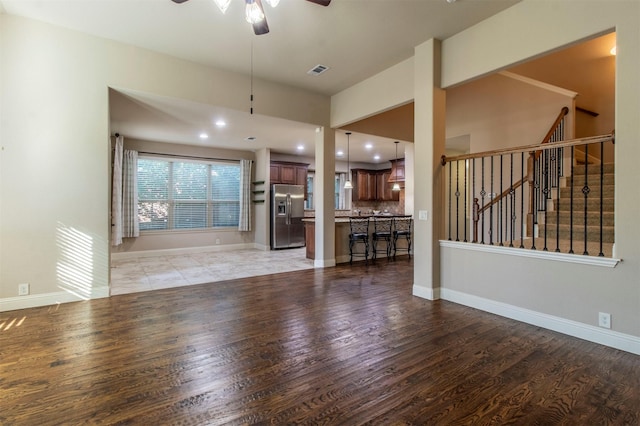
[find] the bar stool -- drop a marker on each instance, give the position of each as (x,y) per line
(402,229)
(381,232)
(359,234)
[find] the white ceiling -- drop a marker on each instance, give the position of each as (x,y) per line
(355,38)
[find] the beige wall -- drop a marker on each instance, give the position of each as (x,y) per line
(55,143)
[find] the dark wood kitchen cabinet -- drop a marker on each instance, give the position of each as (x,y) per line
(289,173)
(372,185)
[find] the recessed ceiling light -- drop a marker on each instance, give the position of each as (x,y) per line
(376,157)
(221,123)
(613,50)
(339,153)
(300,148)
(204,136)
(368,145)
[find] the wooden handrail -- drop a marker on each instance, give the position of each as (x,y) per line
(563,112)
(528,148)
(503,194)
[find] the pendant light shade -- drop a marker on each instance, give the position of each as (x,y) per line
(347,184)
(253,12)
(396,185)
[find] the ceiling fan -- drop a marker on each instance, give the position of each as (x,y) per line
(254,13)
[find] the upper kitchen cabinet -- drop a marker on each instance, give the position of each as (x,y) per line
(289,173)
(372,185)
(397,171)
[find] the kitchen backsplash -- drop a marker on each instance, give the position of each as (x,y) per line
(367,207)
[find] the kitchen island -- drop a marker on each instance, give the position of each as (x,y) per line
(342,235)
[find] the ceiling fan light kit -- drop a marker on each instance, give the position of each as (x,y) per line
(254,13)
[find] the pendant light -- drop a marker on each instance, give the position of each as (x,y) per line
(253,12)
(396,185)
(347,184)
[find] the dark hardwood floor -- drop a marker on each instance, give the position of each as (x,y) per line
(346,345)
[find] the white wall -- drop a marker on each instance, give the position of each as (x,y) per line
(55,141)
(568,295)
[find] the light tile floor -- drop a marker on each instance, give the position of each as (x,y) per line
(153,273)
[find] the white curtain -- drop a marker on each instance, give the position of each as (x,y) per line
(116,193)
(124,194)
(244,224)
(342,197)
(130,223)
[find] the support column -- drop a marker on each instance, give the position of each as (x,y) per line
(429,130)
(324,198)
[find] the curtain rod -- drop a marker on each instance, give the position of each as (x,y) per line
(189,156)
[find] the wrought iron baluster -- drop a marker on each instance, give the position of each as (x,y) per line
(482,194)
(534,219)
(545,197)
(585,191)
(557,200)
(500,235)
(491,206)
(601,193)
(466,167)
(512,203)
(450,167)
(457,200)
(571,204)
(522,200)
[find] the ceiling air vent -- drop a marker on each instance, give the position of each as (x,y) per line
(317,70)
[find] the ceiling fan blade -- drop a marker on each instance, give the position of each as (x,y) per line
(320,2)
(179,1)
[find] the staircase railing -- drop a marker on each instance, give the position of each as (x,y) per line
(500,176)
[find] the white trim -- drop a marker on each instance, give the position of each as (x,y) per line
(178,251)
(426,292)
(261,247)
(540,84)
(47,299)
(580,330)
(324,263)
(537,254)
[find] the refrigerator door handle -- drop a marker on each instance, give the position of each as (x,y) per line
(288,209)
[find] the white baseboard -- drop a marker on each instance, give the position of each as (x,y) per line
(324,263)
(426,292)
(262,247)
(47,299)
(179,251)
(583,331)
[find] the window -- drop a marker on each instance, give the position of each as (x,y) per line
(340,199)
(176,194)
(308,204)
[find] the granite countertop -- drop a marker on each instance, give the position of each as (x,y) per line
(345,219)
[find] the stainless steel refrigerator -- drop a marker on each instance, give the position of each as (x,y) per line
(287,211)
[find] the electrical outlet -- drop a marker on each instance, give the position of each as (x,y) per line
(217,240)
(604,319)
(423,215)
(23,289)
